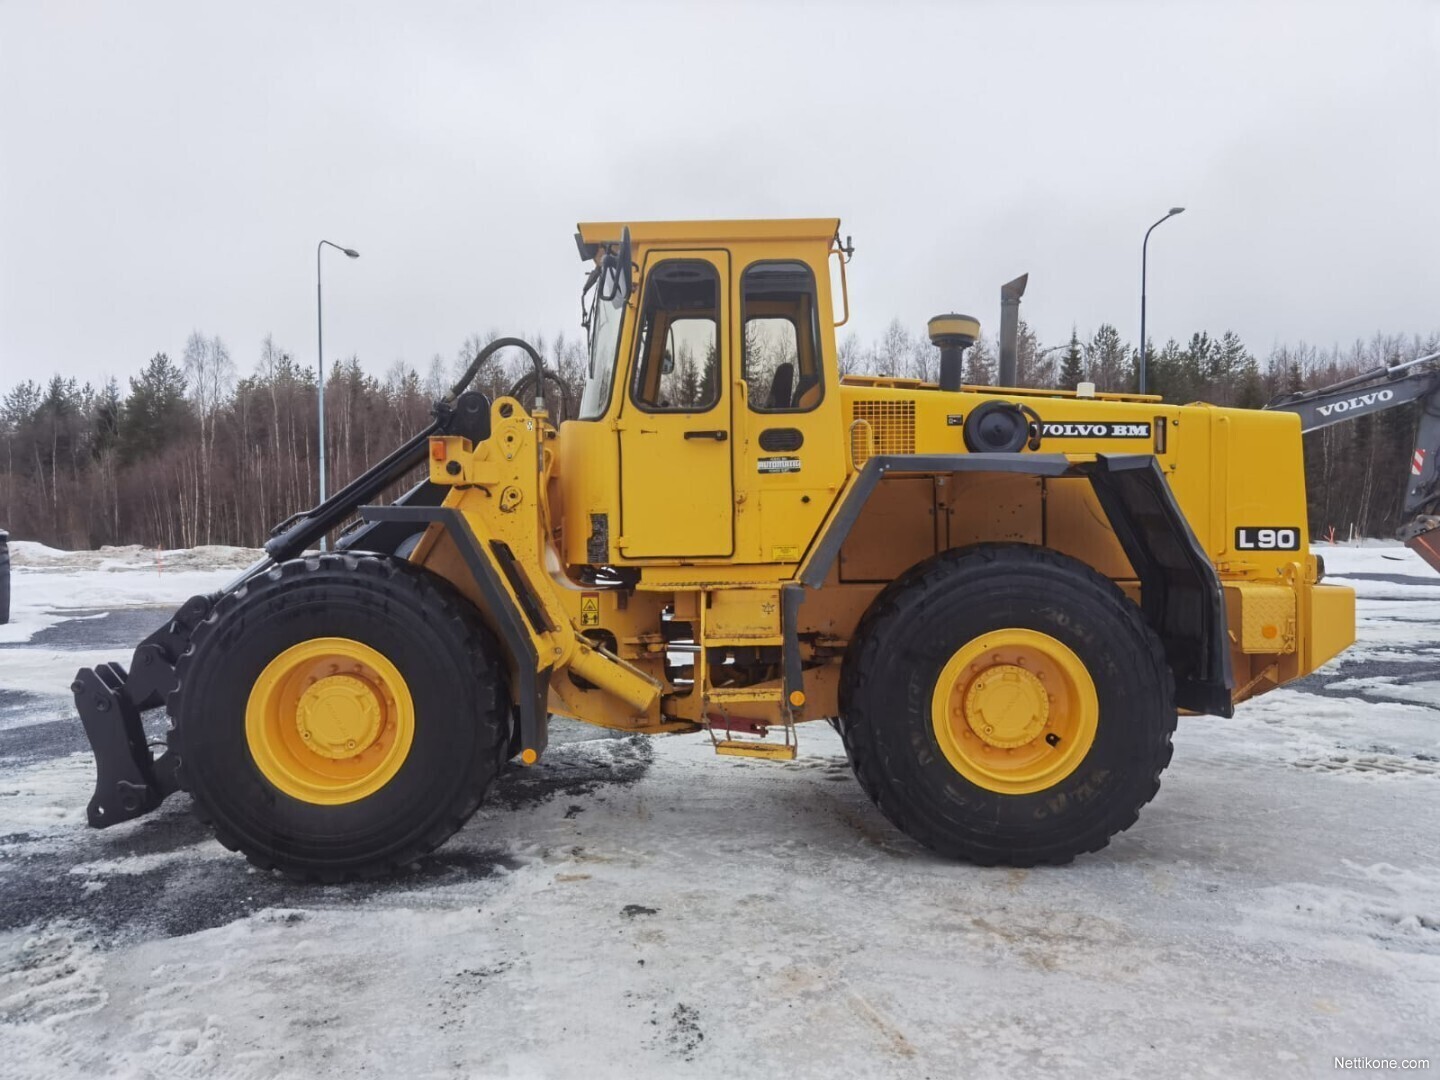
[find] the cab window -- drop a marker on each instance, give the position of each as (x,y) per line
(781,345)
(677,352)
(603,326)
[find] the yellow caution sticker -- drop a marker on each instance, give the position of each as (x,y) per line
(785,553)
(590,609)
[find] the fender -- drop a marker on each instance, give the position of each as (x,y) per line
(1180,592)
(506,617)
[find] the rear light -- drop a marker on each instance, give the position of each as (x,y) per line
(437,449)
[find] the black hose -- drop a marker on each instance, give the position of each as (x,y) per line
(489,351)
(562,392)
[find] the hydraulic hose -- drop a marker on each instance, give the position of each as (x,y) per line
(489,351)
(566,407)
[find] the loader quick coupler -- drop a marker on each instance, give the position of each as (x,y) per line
(130,780)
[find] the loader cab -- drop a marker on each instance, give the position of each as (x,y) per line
(710,428)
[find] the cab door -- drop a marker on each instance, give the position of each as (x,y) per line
(676,487)
(789,451)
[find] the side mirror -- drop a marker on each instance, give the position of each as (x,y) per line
(617,272)
(627,267)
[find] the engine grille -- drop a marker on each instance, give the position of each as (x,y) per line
(891,429)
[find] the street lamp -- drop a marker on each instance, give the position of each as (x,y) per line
(1144,251)
(320,343)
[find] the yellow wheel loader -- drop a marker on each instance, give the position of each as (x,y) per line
(1000,597)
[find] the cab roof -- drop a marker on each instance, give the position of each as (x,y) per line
(593,233)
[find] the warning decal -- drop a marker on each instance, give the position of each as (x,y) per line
(590,609)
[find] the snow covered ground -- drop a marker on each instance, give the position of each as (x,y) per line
(642,908)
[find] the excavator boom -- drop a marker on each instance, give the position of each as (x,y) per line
(1380,390)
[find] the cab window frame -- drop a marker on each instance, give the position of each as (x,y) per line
(817,343)
(637,361)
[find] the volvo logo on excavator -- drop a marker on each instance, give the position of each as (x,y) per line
(1376,398)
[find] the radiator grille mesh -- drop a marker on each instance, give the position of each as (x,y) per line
(891,427)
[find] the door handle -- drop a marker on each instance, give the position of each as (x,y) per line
(718,436)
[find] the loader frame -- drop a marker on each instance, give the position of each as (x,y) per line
(756,531)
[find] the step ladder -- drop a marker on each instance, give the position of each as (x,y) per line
(757,745)
(726,705)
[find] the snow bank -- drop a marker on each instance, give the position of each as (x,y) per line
(27,553)
(23,552)
(48,671)
(48,586)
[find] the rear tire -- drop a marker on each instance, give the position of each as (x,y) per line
(913,701)
(440,660)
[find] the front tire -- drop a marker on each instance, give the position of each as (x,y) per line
(339,716)
(1007,704)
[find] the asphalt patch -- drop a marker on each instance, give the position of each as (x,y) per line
(120,629)
(179,882)
(1422,666)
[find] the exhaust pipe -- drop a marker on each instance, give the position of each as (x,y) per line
(952,335)
(1010,294)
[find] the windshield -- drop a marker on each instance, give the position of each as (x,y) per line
(605,319)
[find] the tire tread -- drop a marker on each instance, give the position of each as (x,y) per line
(426,592)
(864,659)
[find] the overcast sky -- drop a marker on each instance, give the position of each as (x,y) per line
(167,167)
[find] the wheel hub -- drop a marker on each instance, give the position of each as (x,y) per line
(1006,706)
(329,721)
(339,716)
(1014,711)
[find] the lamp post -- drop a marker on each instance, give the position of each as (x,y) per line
(320,349)
(1144,252)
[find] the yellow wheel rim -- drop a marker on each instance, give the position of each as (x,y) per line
(329,721)
(1015,711)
